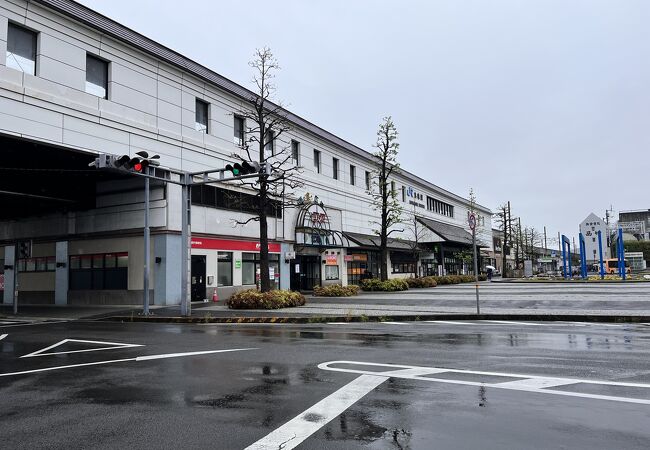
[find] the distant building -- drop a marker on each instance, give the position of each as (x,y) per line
(635,224)
(589,228)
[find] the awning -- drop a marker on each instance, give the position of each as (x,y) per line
(450,233)
(372,241)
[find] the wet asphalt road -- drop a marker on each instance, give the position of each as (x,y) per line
(232,400)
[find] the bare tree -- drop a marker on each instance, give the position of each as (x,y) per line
(266,141)
(384,197)
(502,218)
(419,232)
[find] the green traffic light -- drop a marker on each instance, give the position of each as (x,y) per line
(235,171)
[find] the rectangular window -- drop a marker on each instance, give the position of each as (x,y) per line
(439,207)
(220,198)
(201,123)
(21,49)
(101,271)
(239,125)
(251,268)
(404,193)
(295,152)
(331,272)
(335,168)
(367,180)
(317,161)
(353,175)
(269,143)
(224,268)
(393,190)
(96,76)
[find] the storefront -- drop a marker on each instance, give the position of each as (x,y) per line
(229,265)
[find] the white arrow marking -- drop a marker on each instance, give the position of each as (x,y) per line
(113,346)
(2,336)
(137,359)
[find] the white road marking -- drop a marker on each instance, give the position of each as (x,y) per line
(531,383)
(2,336)
(449,322)
(113,346)
(295,431)
(137,359)
(396,323)
(509,322)
(32,324)
(339,323)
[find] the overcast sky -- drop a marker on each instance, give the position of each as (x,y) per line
(544,103)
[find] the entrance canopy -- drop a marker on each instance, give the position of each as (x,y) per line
(313,226)
(372,241)
(448,233)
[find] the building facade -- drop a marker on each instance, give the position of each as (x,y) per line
(74,83)
(635,224)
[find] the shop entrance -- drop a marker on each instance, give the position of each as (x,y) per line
(305,272)
(198,278)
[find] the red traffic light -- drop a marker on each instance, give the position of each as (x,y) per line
(137,167)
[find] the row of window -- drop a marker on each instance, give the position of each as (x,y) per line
(250,266)
(99,271)
(21,55)
(216,197)
(439,207)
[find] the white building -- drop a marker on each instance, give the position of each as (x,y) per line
(74,83)
(589,228)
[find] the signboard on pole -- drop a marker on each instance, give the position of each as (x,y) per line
(472,221)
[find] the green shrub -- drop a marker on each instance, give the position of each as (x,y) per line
(253,299)
(422,282)
(375,284)
(335,290)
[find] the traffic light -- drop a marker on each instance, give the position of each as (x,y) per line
(138,164)
(243,168)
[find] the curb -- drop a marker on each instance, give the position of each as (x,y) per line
(391,318)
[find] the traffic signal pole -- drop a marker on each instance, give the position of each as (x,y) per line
(140,166)
(147,246)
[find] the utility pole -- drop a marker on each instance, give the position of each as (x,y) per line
(507,239)
(520,238)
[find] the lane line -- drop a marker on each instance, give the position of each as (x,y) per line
(396,323)
(508,322)
(115,345)
(449,322)
(2,336)
(112,361)
(295,431)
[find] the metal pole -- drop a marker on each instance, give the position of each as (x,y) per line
(15,286)
(185,246)
(478,309)
(147,258)
(600,254)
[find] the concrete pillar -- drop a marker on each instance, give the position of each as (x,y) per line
(285,268)
(61,274)
(167,269)
(10,263)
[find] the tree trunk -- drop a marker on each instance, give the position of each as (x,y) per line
(265,281)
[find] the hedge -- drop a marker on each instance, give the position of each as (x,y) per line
(253,299)
(336,290)
(375,284)
(422,282)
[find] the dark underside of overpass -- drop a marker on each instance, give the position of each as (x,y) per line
(38,179)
